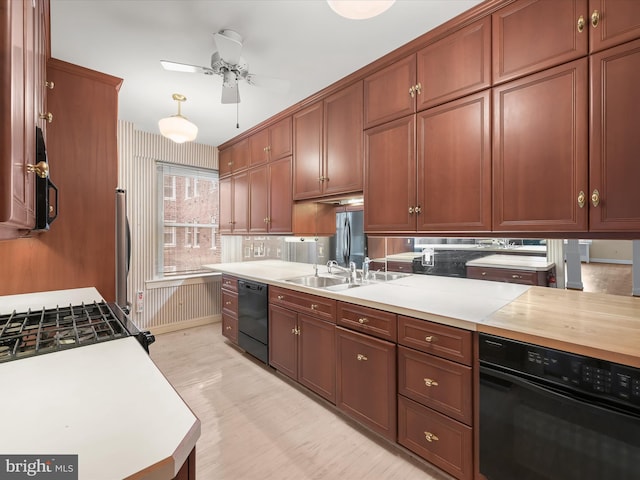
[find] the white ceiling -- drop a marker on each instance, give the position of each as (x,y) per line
(302,41)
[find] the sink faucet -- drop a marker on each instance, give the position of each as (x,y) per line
(351,270)
(365,268)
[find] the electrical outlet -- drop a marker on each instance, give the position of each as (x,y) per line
(139,301)
(428,257)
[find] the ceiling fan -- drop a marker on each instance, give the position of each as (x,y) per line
(228,63)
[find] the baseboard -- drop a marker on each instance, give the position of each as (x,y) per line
(611,260)
(192,322)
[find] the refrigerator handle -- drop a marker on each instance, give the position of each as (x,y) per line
(348,241)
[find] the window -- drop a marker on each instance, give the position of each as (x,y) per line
(187,219)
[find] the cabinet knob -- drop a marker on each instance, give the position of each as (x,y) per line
(581,199)
(484,274)
(314,306)
(516,276)
(228,327)
(430,437)
(228,302)
(361,358)
(47,116)
(595,18)
(418,88)
(595,198)
(363,320)
(280,297)
(418,209)
(412,91)
(581,24)
(430,383)
(411,210)
(430,339)
(41,169)
(294,330)
(49,85)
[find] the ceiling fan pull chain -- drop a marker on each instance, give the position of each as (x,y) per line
(237,109)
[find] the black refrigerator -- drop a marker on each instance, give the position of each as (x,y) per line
(349,244)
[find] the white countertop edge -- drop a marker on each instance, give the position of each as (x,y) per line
(50,299)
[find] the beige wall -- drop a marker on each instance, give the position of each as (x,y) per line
(618,251)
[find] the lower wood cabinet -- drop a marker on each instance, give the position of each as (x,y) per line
(303,347)
(366,381)
(188,469)
(229,296)
(446,443)
(510,275)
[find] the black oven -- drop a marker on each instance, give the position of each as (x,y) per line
(552,415)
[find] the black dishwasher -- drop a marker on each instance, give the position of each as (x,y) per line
(253,319)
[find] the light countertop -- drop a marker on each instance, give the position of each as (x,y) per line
(599,325)
(516,262)
(106,402)
(50,299)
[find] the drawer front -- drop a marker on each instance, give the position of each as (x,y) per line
(406,267)
(324,308)
(368,320)
(230,303)
(440,384)
(504,275)
(230,327)
(441,340)
(438,439)
(229,283)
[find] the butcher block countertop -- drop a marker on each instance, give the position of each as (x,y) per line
(598,325)
(106,402)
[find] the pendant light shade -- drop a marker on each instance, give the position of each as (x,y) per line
(177,127)
(359,9)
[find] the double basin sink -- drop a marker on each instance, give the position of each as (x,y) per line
(338,282)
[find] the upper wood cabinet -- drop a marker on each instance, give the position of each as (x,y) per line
(271,143)
(454,175)
(612,22)
(234,204)
(457,65)
(270,202)
(613,197)
(328,146)
(531,35)
(540,143)
(23,52)
(234,158)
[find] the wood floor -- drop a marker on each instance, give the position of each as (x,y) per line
(256,425)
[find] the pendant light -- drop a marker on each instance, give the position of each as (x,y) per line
(359,9)
(177,127)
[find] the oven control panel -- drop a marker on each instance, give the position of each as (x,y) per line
(581,373)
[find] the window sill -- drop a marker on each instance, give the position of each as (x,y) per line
(180,280)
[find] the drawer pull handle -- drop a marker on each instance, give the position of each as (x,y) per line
(595,18)
(595,198)
(581,24)
(295,331)
(361,357)
(280,297)
(516,276)
(363,320)
(430,383)
(314,306)
(228,327)
(430,339)
(581,199)
(228,302)
(484,274)
(431,437)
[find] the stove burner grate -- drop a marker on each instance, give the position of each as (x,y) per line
(47,330)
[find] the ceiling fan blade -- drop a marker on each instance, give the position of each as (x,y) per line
(229,45)
(276,84)
(231,94)
(183,67)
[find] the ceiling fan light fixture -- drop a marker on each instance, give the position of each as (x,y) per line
(176,127)
(359,9)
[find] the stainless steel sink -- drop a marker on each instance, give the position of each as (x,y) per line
(386,276)
(319,281)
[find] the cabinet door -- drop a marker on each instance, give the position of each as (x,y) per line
(240,156)
(366,381)
(230,327)
(317,356)
(455,66)
(540,151)
(615,140)
(531,35)
(283,341)
(387,93)
(454,175)
(616,22)
(225,205)
(280,139)
(225,162)
(258,200)
(240,202)
(259,147)
(279,219)
(343,168)
(307,152)
(390,177)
